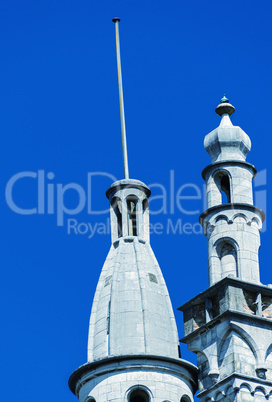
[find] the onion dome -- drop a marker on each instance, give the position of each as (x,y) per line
(227,142)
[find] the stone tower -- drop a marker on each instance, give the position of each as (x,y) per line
(229,325)
(133,346)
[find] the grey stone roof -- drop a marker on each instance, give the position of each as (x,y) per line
(132,312)
(227,142)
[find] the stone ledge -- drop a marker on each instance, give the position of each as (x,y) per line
(129,362)
(217,320)
(236,380)
(236,206)
(231,163)
(236,282)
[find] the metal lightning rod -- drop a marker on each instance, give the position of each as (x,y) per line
(121,98)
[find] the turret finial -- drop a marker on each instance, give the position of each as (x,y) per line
(224,99)
(224,107)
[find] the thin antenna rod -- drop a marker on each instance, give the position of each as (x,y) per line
(121,98)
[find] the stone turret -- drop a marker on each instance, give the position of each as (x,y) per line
(229,325)
(133,346)
(131,292)
(232,223)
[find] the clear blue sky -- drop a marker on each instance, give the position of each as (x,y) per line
(59,113)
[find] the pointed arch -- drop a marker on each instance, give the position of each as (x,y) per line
(243,334)
(203,365)
(236,355)
(231,352)
(268,362)
(268,351)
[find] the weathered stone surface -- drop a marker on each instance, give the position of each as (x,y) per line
(232,336)
(227,142)
(112,380)
(133,341)
(231,223)
(132,314)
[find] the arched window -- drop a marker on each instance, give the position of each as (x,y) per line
(116,206)
(90,400)
(228,259)
(185,398)
(132,215)
(223,183)
(138,395)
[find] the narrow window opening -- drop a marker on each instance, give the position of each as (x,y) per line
(222,182)
(116,205)
(179,352)
(132,215)
(145,225)
(225,189)
(139,395)
(145,205)
(228,260)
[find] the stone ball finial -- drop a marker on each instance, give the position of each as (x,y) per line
(224,107)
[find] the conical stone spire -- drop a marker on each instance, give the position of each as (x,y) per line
(132,312)
(133,346)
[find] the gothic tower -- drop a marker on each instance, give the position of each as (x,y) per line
(229,325)
(133,347)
